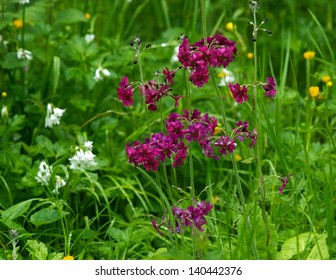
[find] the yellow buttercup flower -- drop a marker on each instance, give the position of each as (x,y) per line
(325,79)
(249,55)
(230,26)
(314,91)
(238,157)
(87,16)
(309,55)
(218,129)
(4,94)
(215,199)
(68,258)
(329,84)
(18,23)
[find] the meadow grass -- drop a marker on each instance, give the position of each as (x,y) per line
(63,196)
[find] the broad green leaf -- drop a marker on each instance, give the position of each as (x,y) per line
(37,250)
(12,225)
(56,256)
(292,246)
(71,16)
(16,210)
(47,216)
(320,249)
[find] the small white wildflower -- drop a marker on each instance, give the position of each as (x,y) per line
(22,2)
(89,38)
(58,184)
(174,58)
(88,145)
(101,73)
(53,116)
(84,158)
(44,173)
(24,54)
(4,111)
(226,77)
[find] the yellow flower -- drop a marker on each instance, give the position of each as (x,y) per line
(215,199)
(18,23)
(314,91)
(329,84)
(309,55)
(4,94)
(218,129)
(230,26)
(238,157)
(325,79)
(87,16)
(68,258)
(249,55)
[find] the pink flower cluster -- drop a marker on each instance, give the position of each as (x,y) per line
(192,217)
(181,129)
(216,52)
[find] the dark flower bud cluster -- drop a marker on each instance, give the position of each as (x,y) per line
(182,129)
(217,51)
(192,217)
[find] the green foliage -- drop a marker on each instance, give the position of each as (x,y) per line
(105,211)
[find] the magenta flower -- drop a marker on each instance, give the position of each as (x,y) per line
(125,92)
(199,77)
(239,92)
(269,87)
(284,183)
(226,144)
(169,75)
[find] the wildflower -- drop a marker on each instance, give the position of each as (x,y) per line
(200,77)
(329,84)
(269,87)
(68,258)
(59,182)
(249,55)
(325,79)
(4,94)
(4,111)
(87,16)
(24,54)
(169,75)
(309,55)
(238,157)
(89,38)
(83,158)
(230,26)
(239,92)
(191,217)
(284,183)
(22,2)
(215,199)
(226,144)
(125,92)
(53,116)
(101,73)
(18,23)
(314,91)
(226,77)
(44,173)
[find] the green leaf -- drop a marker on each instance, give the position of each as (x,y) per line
(56,256)
(71,16)
(56,72)
(320,249)
(16,210)
(47,216)
(37,250)
(292,246)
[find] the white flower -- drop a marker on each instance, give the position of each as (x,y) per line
(101,73)
(84,158)
(88,145)
(174,58)
(53,116)
(22,2)
(89,38)
(227,77)
(24,54)
(4,111)
(58,184)
(44,173)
